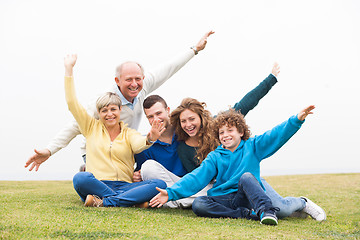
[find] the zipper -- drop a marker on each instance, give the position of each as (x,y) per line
(117,174)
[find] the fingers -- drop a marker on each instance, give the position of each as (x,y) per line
(276,69)
(32,167)
(159,126)
(163,191)
(305,112)
(202,43)
(31,159)
(208,34)
(309,109)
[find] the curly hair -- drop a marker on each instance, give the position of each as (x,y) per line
(207,141)
(231,118)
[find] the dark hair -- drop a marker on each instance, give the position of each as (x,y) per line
(152,99)
(232,118)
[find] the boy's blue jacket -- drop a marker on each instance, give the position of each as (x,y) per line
(227,167)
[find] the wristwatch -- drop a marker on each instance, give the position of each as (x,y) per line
(195,50)
(149,141)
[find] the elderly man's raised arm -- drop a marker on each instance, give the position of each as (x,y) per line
(156,77)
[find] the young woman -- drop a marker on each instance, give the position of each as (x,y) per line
(193,126)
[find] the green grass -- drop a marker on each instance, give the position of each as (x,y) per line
(52,210)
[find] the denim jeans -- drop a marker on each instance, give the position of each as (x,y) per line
(116,193)
(250,196)
(287,205)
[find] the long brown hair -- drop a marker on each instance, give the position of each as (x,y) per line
(207,141)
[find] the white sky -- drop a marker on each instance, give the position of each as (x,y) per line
(315,42)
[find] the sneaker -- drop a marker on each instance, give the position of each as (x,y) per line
(93,201)
(82,168)
(268,217)
(314,210)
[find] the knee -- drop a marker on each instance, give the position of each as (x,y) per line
(246,177)
(159,183)
(149,169)
(81,178)
(199,206)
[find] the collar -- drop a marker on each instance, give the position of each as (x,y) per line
(174,140)
(124,101)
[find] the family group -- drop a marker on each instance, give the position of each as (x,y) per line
(189,158)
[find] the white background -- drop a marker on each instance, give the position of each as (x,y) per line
(315,42)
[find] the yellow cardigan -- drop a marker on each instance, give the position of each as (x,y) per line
(107,160)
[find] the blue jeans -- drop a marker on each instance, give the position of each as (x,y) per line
(287,205)
(250,196)
(116,193)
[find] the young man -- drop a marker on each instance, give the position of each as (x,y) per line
(132,85)
(235,165)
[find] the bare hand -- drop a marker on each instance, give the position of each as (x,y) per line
(160,199)
(202,43)
(157,128)
(276,69)
(137,176)
(69,63)
(37,159)
(306,111)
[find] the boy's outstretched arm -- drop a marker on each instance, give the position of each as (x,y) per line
(305,112)
(160,199)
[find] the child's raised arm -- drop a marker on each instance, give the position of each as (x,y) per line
(305,112)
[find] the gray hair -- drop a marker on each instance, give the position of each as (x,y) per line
(107,99)
(119,68)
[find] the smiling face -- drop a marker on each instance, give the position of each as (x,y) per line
(130,80)
(229,137)
(190,122)
(158,112)
(110,115)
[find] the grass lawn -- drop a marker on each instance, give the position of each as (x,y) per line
(52,210)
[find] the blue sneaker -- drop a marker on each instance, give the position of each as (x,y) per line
(268,217)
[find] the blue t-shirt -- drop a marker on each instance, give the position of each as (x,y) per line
(165,154)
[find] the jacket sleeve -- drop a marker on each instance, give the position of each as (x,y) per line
(84,120)
(154,79)
(137,141)
(140,158)
(271,141)
(70,131)
(252,98)
(194,181)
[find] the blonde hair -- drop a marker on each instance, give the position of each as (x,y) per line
(107,99)
(207,141)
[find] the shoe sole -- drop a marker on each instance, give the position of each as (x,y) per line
(269,221)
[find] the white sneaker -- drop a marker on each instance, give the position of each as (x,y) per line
(314,210)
